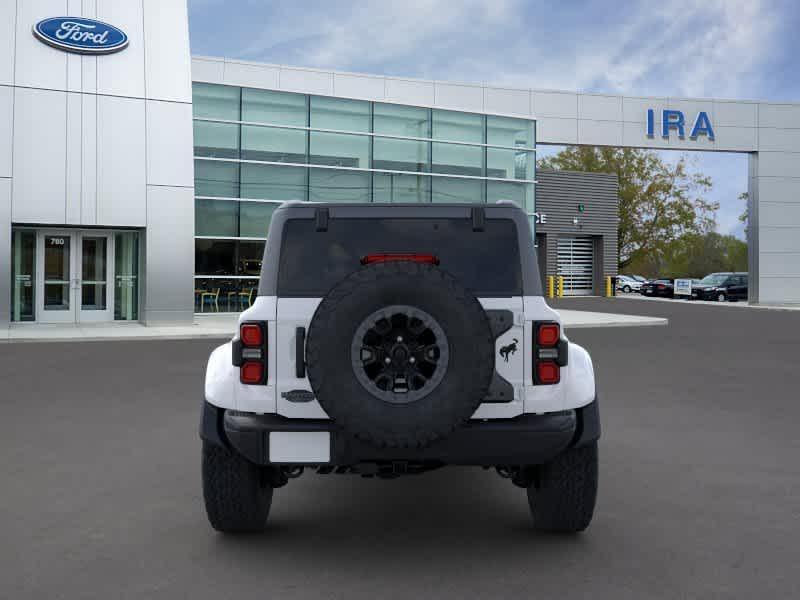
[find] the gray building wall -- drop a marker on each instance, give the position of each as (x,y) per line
(558,194)
(102,141)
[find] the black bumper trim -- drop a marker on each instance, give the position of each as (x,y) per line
(524,440)
(588,425)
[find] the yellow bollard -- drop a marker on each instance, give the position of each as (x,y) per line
(609,291)
(551,286)
(560,286)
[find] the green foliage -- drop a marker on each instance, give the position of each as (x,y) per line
(694,255)
(744,217)
(659,202)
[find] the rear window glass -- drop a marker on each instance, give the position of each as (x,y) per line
(486,262)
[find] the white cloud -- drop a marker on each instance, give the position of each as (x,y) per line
(674,47)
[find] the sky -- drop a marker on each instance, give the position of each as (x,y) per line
(709,48)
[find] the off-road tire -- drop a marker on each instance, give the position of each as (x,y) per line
(563,492)
(471,354)
(237,493)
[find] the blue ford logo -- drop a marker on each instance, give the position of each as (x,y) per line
(84,36)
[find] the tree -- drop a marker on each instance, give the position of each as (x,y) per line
(693,255)
(658,202)
(745,216)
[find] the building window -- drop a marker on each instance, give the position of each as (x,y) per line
(216,140)
(215,257)
(400,155)
(217,218)
(339,149)
(394,187)
(279,108)
(403,121)
(254,218)
(457,127)
(211,101)
(257,148)
(273,182)
(338,185)
(450,189)
(520,193)
(505,131)
(457,160)
(216,179)
(509,164)
(339,114)
(273,144)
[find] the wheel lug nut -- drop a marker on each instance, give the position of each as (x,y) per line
(387,360)
(399,338)
(412,360)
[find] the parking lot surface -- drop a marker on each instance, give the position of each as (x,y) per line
(699,488)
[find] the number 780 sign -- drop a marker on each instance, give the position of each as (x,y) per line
(674,120)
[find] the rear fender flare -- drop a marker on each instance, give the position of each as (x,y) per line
(579,384)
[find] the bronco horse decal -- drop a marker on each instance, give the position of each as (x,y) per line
(510,349)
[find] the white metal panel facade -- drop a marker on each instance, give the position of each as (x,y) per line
(40,117)
(73,134)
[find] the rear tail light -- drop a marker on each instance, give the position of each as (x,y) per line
(418,258)
(250,353)
(252,372)
(550,353)
(548,334)
(548,372)
(251,335)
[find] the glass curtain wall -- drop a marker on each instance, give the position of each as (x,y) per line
(257,148)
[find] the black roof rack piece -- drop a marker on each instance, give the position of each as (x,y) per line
(321,215)
(478,218)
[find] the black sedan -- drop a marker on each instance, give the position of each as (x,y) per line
(662,288)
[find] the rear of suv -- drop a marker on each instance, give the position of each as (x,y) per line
(390,340)
(721,287)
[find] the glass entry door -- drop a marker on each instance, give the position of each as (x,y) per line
(95,302)
(73,281)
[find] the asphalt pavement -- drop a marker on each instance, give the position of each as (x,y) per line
(699,482)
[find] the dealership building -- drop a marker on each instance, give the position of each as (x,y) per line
(137,182)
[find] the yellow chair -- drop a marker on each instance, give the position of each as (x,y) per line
(248,295)
(213,295)
(235,295)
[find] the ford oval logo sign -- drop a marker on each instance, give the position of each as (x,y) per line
(84,36)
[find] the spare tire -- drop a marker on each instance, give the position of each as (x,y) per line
(400,354)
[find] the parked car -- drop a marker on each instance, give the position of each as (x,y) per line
(627,284)
(663,288)
(721,287)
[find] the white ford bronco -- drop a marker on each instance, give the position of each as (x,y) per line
(390,340)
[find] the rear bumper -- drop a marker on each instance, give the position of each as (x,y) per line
(524,440)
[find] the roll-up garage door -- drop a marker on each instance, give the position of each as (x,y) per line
(576,264)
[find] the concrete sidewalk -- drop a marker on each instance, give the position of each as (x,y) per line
(579,319)
(739,304)
(223,326)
